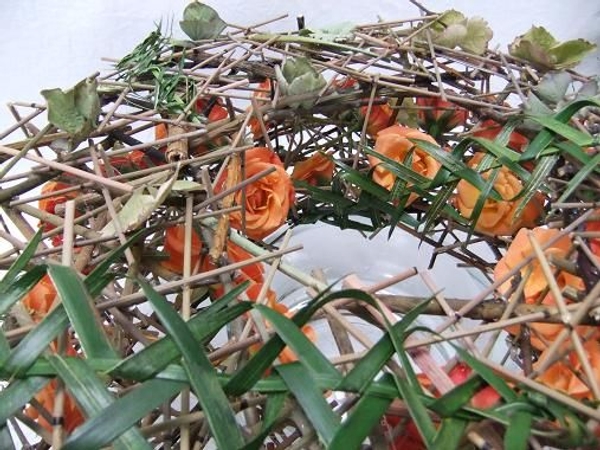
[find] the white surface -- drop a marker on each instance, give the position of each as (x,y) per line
(55,43)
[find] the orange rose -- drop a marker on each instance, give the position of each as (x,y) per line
(49,205)
(594,242)
(268,199)
(490,130)
(316,170)
(71,413)
(40,298)
(498,218)
(536,283)
(174,247)
(563,376)
(287,355)
(379,118)
(437,116)
(262,96)
(394,143)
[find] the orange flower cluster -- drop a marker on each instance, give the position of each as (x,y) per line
(71,414)
(565,375)
(536,287)
(437,116)
(262,96)
(38,302)
(49,205)
(381,115)
(253,273)
(497,218)
(316,170)
(268,199)
(394,142)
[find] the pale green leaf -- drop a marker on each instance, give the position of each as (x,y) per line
(543,51)
(553,86)
(200,21)
(75,110)
(333,33)
(297,77)
(477,37)
(187,186)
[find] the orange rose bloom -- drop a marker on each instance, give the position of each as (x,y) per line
(498,218)
(394,143)
(536,285)
(562,375)
(40,298)
(490,130)
(71,413)
(174,246)
(49,205)
(437,116)
(267,200)
(262,97)
(594,242)
(379,118)
(316,170)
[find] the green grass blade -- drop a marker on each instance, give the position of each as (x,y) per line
(362,419)
(92,396)
(579,178)
(275,404)
(21,262)
(10,294)
(450,434)
(98,278)
(562,129)
(35,342)
(154,358)
(504,156)
(545,137)
(122,414)
(307,353)
(6,442)
(365,370)
(325,422)
(488,375)
(536,182)
(201,373)
(80,308)
(245,378)
(517,434)
(451,402)
(17,394)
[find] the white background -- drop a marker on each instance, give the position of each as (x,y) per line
(55,43)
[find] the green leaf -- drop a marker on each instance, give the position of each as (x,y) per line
(11,293)
(35,342)
(122,414)
(450,434)
(577,137)
(478,36)
(92,396)
(307,353)
(20,263)
(187,186)
(325,422)
(200,21)
(367,413)
(298,77)
(83,316)
(201,373)
(542,50)
(152,359)
(333,33)
(139,208)
(580,177)
(517,433)
(17,394)
(6,441)
(553,86)
(75,110)
(453,29)
(274,407)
